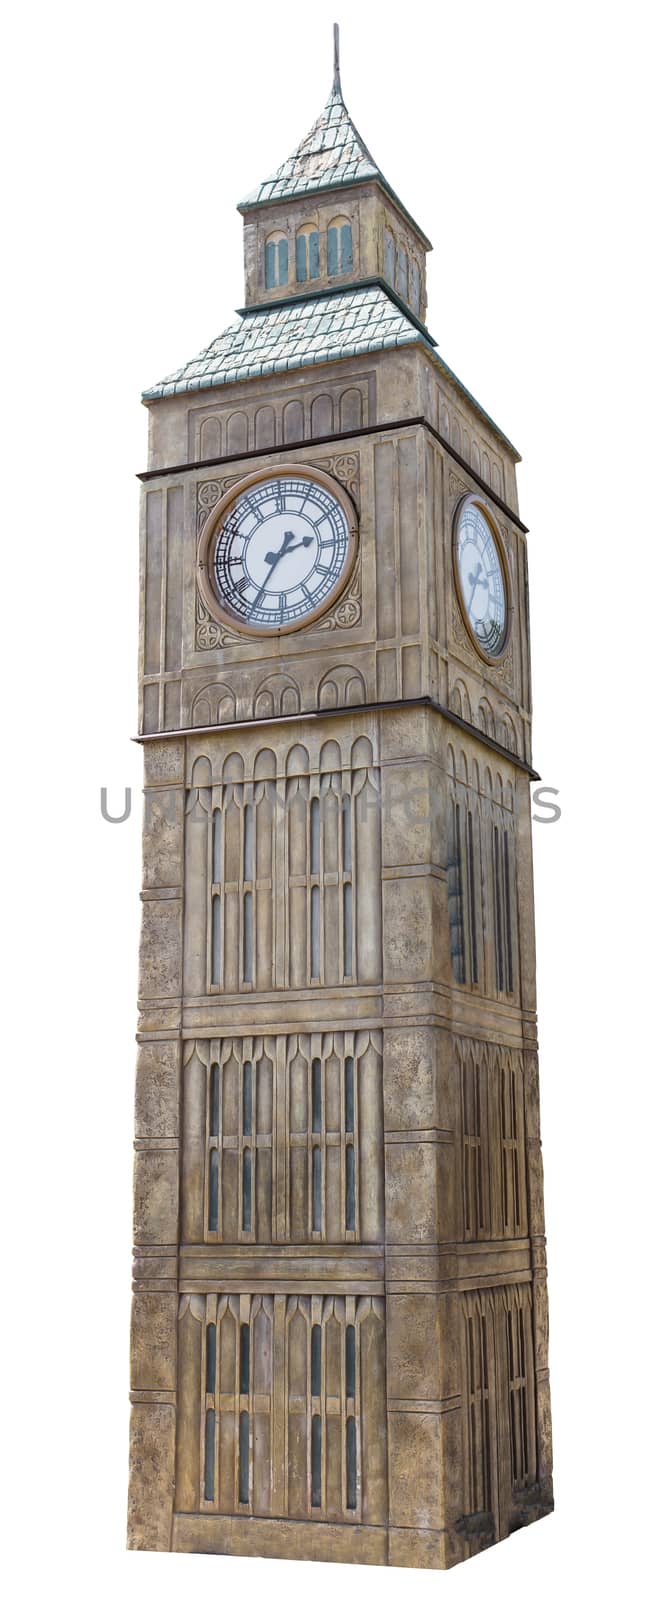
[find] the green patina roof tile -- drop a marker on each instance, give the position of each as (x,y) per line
(301,334)
(331,154)
(295,335)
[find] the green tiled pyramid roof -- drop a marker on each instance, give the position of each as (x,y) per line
(303,333)
(299,333)
(331,156)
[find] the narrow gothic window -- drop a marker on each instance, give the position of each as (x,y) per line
(209,1454)
(349,1094)
(316,1461)
(210,1378)
(214,1124)
(307,254)
(213,1191)
(414,286)
(247,1097)
(244,1359)
(216,904)
(247,937)
(507,912)
(473,1176)
(217,846)
(498,912)
(347,930)
(315,837)
(472,898)
(502,899)
(402,280)
(276,260)
(339,247)
(479,1439)
(350,1361)
(389,256)
(316,1359)
(248,844)
(510,1152)
(214,1156)
(350,1200)
(247,1191)
(216,940)
(316,1188)
(351,1463)
(316,1096)
(462,894)
(455,895)
(315,932)
(347,833)
(244,1458)
(517,1395)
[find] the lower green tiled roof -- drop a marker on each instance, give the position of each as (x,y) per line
(300,334)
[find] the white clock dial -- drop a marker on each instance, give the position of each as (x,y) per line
(481,582)
(280,551)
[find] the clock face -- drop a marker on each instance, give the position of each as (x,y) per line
(281,550)
(481,583)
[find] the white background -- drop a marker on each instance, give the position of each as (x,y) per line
(518,135)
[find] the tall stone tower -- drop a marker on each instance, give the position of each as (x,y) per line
(339,1344)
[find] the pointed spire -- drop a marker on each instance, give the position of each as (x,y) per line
(332,155)
(336,86)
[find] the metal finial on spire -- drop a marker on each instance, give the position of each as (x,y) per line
(336,89)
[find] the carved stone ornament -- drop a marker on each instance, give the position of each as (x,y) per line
(457,486)
(348,611)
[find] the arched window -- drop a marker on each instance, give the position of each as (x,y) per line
(339,246)
(402,283)
(307,253)
(414,285)
(389,256)
(276,260)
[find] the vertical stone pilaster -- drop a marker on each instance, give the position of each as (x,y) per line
(191,1330)
(195,1070)
(154,1303)
(156,1159)
(151,1476)
(197,845)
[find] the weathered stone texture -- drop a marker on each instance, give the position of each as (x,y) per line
(339,1335)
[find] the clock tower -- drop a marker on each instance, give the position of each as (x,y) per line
(339,1332)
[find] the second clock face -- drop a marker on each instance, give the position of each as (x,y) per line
(481,579)
(281,551)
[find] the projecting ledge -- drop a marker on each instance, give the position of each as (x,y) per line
(273,1536)
(438,1269)
(283,1269)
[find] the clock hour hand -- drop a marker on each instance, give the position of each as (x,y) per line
(475,579)
(274,556)
(289,543)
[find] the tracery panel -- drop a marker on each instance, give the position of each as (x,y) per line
(493,1140)
(481,878)
(287,1395)
(499,1412)
(307,843)
(317,1099)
